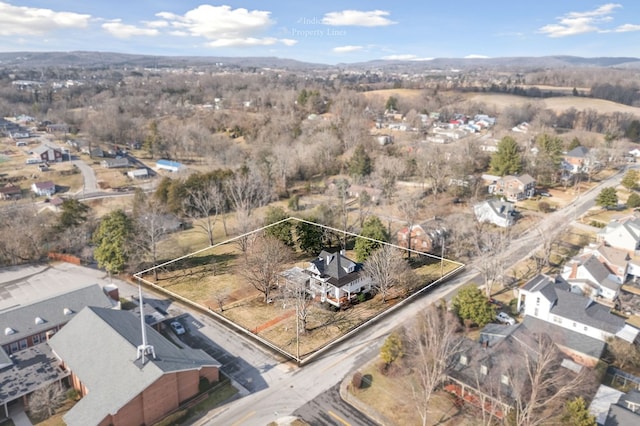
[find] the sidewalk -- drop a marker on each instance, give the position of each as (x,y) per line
(18,415)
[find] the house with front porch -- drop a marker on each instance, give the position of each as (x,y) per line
(556,302)
(499,212)
(587,274)
(336,279)
(514,188)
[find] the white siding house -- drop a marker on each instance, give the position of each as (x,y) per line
(336,279)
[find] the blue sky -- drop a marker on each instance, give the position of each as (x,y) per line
(327,31)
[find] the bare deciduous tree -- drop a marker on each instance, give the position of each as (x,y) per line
(490,244)
(432,348)
(538,381)
(205,205)
(295,294)
(264,260)
(387,268)
(46,400)
(151,226)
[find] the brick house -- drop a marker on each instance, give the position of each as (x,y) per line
(47,153)
(514,188)
(28,325)
(425,237)
(119,387)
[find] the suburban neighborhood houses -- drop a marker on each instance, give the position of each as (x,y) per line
(261,241)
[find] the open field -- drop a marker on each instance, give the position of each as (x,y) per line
(212,279)
(503,101)
(391,396)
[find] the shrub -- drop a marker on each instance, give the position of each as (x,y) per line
(513,306)
(544,207)
(356,380)
(203,384)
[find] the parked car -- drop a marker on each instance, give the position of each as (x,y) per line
(505,318)
(545,194)
(177,328)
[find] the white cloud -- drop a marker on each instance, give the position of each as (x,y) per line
(223,26)
(372,18)
(156,24)
(627,28)
(347,49)
(473,56)
(22,20)
(405,57)
(117,29)
(574,23)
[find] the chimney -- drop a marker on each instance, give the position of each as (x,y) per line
(574,269)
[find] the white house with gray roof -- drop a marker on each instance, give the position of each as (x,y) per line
(335,279)
(588,275)
(497,211)
(623,233)
(100,348)
(556,302)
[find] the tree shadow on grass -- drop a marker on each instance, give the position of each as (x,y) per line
(367,381)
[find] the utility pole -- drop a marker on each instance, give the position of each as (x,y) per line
(442,258)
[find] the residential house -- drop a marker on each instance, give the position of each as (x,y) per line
(499,212)
(122,379)
(57,128)
(576,160)
(10,192)
(138,173)
(623,233)
(336,279)
(489,372)
(46,188)
(426,237)
(171,166)
(47,153)
(592,277)
(626,411)
(115,163)
(514,188)
(555,302)
(28,325)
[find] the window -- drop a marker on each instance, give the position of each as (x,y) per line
(36,339)
(557,319)
(575,325)
(535,312)
(23,344)
(504,379)
(463,359)
(483,370)
(537,301)
(586,328)
(14,347)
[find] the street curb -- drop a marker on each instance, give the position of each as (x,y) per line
(368,411)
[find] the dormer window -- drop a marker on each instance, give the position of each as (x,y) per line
(9,331)
(483,370)
(39,321)
(67,311)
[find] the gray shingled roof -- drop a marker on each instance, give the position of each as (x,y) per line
(336,268)
(99,346)
(620,416)
(544,284)
(565,337)
(580,309)
(578,152)
(22,319)
(597,270)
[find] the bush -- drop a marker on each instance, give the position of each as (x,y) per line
(544,206)
(73,395)
(203,384)
(513,306)
(356,380)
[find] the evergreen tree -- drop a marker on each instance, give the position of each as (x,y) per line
(630,179)
(576,413)
(633,201)
(372,228)
(360,163)
(391,349)
(507,160)
(633,131)
(111,239)
(310,237)
(74,213)
(281,231)
(607,197)
(575,142)
(392,103)
(471,304)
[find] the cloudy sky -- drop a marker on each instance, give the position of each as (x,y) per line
(327,31)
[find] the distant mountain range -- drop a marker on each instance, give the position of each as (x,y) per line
(83,59)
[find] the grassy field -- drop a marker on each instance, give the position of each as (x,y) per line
(211,278)
(391,396)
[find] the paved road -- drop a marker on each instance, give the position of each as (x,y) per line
(329,409)
(288,391)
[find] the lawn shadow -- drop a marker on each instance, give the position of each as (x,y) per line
(367,381)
